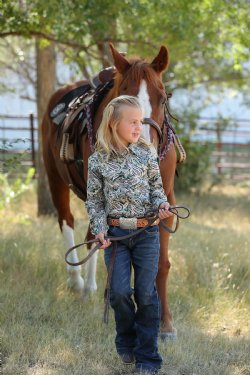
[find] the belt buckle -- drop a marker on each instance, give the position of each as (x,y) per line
(128,222)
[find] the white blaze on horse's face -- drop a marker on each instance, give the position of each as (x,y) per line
(146,106)
(147,111)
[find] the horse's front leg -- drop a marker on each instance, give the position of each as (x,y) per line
(61,198)
(75,280)
(90,284)
(167,327)
(167,166)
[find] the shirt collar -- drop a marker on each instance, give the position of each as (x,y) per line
(132,147)
(135,148)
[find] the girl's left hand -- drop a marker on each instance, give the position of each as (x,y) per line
(164,212)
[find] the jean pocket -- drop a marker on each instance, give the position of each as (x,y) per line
(152,230)
(111,231)
(115,231)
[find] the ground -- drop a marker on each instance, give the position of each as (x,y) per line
(47,330)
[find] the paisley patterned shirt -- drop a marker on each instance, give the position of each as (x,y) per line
(124,185)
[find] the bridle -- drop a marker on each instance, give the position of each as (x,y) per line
(169,132)
(166,122)
(153,123)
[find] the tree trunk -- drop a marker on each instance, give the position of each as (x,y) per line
(46,78)
(103,50)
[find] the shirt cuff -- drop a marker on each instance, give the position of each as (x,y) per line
(158,202)
(99,226)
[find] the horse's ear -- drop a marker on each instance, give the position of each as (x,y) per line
(121,64)
(160,63)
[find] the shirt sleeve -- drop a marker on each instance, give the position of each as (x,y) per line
(95,203)
(157,194)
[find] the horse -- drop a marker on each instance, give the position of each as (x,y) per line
(137,77)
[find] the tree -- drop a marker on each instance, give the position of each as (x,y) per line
(46,75)
(208,39)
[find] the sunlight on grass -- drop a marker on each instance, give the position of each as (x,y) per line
(47,330)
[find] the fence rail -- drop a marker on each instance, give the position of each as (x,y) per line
(230,156)
(18,141)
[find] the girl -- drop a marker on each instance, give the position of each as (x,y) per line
(124,185)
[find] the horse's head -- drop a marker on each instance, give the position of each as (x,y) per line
(143,79)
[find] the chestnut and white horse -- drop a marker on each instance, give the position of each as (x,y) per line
(135,77)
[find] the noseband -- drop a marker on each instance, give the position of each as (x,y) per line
(155,125)
(151,122)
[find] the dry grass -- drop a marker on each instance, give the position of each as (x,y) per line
(46,330)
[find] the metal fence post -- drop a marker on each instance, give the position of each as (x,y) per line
(33,155)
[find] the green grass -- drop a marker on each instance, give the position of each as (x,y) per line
(47,330)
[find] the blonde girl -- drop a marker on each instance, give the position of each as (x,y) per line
(124,186)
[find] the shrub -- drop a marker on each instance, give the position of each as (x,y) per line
(194,171)
(11,189)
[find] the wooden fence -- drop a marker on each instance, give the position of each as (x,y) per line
(231,146)
(18,142)
(230,156)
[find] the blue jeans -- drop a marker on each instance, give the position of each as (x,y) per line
(137,320)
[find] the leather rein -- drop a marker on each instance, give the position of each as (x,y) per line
(173,209)
(151,219)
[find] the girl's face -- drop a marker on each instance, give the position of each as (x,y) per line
(130,126)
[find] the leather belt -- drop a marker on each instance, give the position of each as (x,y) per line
(131,223)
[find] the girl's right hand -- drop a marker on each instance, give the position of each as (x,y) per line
(105,243)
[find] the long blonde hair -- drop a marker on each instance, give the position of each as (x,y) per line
(107,138)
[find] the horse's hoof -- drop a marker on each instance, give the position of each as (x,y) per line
(168,336)
(90,289)
(76,284)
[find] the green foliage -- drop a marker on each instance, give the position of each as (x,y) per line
(192,173)
(12,160)
(208,39)
(12,189)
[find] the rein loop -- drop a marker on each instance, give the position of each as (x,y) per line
(151,220)
(174,209)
